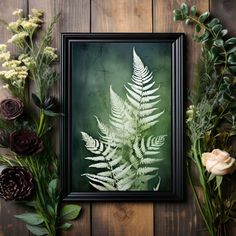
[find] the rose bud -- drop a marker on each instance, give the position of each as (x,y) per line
(25,142)
(218,162)
(11,108)
(15,183)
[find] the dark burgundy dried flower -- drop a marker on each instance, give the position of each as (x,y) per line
(11,108)
(15,183)
(25,142)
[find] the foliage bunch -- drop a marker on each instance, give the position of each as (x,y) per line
(211,117)
(25,124)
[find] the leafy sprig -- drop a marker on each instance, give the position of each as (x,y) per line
(211,115)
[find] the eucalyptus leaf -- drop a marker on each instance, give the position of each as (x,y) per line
(203,17)
(217,28)
(69,212)
(213,22)
(223,32)
(177,17)
(65,226)
(37,230)
(233,49)
(232,59)
(197,28)
(184,8)
(193,11)
(218,43)
(230,41)
(30,218)
(187,21)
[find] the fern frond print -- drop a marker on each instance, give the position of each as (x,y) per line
(125,157)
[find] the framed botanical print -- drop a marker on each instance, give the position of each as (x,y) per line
(122,129)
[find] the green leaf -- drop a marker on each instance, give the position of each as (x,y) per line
(51,113)
(232,69)
(211,177)
(197,28)
(217,28)
(232,59)
(213,22)
(36,100)
(188,21)
(30,218)
(70,212)
(37,230)
(218,181)
(52,187)
(177,17)
(218,43)
(230,41)
(193,11)
(203,17)
(65,226)
(233,49)
(184,8)
(177,12)
(50,210)
(223,32)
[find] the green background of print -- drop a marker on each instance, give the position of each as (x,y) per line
(96,66)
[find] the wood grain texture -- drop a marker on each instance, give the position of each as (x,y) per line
(181,218)
(225,11)
(126,219)
(122,219)
(9,225)
(163,22)
(121,16)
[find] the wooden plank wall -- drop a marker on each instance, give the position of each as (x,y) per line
(116,219)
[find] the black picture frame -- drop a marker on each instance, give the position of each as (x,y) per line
(177,127)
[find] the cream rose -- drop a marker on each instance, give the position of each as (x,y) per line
(218,162)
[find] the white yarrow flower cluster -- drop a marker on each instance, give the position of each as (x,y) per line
(18,38)
(18,12)
(4,54)
(50,54)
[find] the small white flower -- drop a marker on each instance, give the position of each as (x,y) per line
(6,86)
(50,54)
(11,64)
(18,38)
(18,12)
(37,12)
(29,26)
(13,26)
(5,56)
(3,47)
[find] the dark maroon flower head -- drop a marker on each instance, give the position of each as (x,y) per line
(25,142)
(16,183)
(11,108)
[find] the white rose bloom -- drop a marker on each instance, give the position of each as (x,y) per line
(218,162)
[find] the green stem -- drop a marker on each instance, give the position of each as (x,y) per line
(198,202)
(41,123)
(209,215)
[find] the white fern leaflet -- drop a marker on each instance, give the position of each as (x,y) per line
(124,157)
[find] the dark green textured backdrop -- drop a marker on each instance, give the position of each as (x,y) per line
(96,66)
